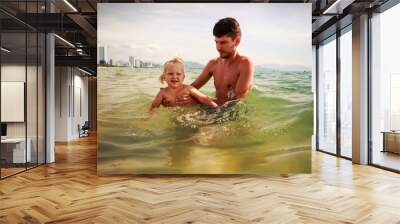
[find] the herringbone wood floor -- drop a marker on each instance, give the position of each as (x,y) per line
(69,191)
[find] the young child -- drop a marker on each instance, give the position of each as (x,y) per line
(174,75)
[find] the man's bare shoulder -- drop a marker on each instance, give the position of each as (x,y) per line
(245,61)
(212,63)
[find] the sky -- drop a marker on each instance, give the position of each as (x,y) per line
(271,33)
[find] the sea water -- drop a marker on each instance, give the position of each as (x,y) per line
(268,132)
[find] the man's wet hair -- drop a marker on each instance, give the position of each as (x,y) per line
(227,26)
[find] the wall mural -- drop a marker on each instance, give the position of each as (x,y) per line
(204,88)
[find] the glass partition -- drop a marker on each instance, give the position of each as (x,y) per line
(346,93)
(13,105)
(385,89)
(327,96)
(22,77)
(41,109)
(31,100)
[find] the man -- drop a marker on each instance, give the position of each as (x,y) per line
(232,72)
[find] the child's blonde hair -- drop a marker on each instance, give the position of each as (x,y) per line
(175,60)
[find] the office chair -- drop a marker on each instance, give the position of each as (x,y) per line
(84,130)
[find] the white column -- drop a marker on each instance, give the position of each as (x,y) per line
(360,90)
(50,91)
(50,99)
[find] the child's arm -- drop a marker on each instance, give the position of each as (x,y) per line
(203,99)
(157,100)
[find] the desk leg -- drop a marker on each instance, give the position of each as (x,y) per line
(384,142)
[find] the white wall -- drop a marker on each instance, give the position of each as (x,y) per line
(62,82)
(11,73)
(33,126)
(82,82)
(70,84)
(17,73)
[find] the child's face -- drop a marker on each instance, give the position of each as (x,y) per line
(174,75)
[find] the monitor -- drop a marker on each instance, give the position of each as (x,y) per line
(3,129)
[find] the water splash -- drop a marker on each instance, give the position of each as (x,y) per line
(205,115)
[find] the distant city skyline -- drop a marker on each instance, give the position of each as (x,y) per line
(103,60)
(140,63)
(158,32)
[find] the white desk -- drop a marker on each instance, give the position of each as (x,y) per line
(19,149)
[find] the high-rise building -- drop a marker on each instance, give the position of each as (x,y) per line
(102,55)
(147,65)
(132,61)
(137,63)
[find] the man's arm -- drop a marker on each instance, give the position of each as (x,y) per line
(202,98)
(204,76)
(245,81)
(202,79)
